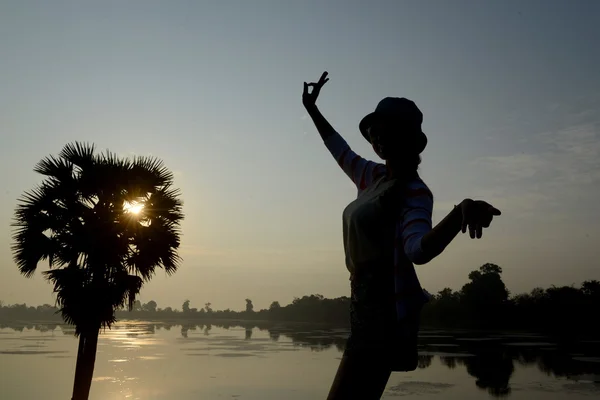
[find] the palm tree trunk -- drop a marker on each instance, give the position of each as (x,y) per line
(91,345)
(78,366)
(84,371)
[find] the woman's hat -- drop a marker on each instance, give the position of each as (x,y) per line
(402,111)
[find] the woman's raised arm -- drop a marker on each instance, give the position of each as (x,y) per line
(360,170)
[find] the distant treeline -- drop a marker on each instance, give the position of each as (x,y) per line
(483,302)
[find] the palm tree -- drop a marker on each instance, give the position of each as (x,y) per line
(104,224)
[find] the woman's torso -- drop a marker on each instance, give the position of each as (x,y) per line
(369,234)
(369,227)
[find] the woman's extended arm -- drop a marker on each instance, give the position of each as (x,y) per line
(323,126)
(361,171)
(421,242)
(435,241)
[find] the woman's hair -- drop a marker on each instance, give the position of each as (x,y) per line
(408,165)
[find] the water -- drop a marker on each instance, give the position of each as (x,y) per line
(139,360)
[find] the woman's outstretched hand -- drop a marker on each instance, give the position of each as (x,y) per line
(310,99)
(476,215)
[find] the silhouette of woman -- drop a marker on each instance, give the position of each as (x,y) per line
(386,230)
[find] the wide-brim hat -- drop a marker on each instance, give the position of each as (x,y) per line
(402,111)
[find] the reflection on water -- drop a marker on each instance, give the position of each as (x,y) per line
(160,360)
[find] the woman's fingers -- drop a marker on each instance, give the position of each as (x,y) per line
(317,84)
(478,231)
(323,78)
(494,211)
(315,89)
(486,220)
(309,97)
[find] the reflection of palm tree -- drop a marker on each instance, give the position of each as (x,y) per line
(104,225)
(449,362)
(424,361)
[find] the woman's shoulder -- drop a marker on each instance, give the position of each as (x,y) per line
(417,182)
(417,188)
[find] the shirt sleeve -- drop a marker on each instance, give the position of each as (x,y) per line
(416,221)
(361,171)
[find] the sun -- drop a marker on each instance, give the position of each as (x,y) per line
(133,207)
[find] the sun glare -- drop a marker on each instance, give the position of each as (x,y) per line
(133,207)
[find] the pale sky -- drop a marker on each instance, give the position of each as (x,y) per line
(509,90)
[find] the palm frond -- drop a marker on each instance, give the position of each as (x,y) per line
(146,260)
(58,168)
(155,166)
(143,263)
(89,302)
(79,154)
(111,159)
(70,288)
(155,247)
(130,285)
(34,216)
(51,202)
(165,204)
(153,169)
(170,260)
(36,200)
(29,248)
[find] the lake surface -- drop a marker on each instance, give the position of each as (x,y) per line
(138,360)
